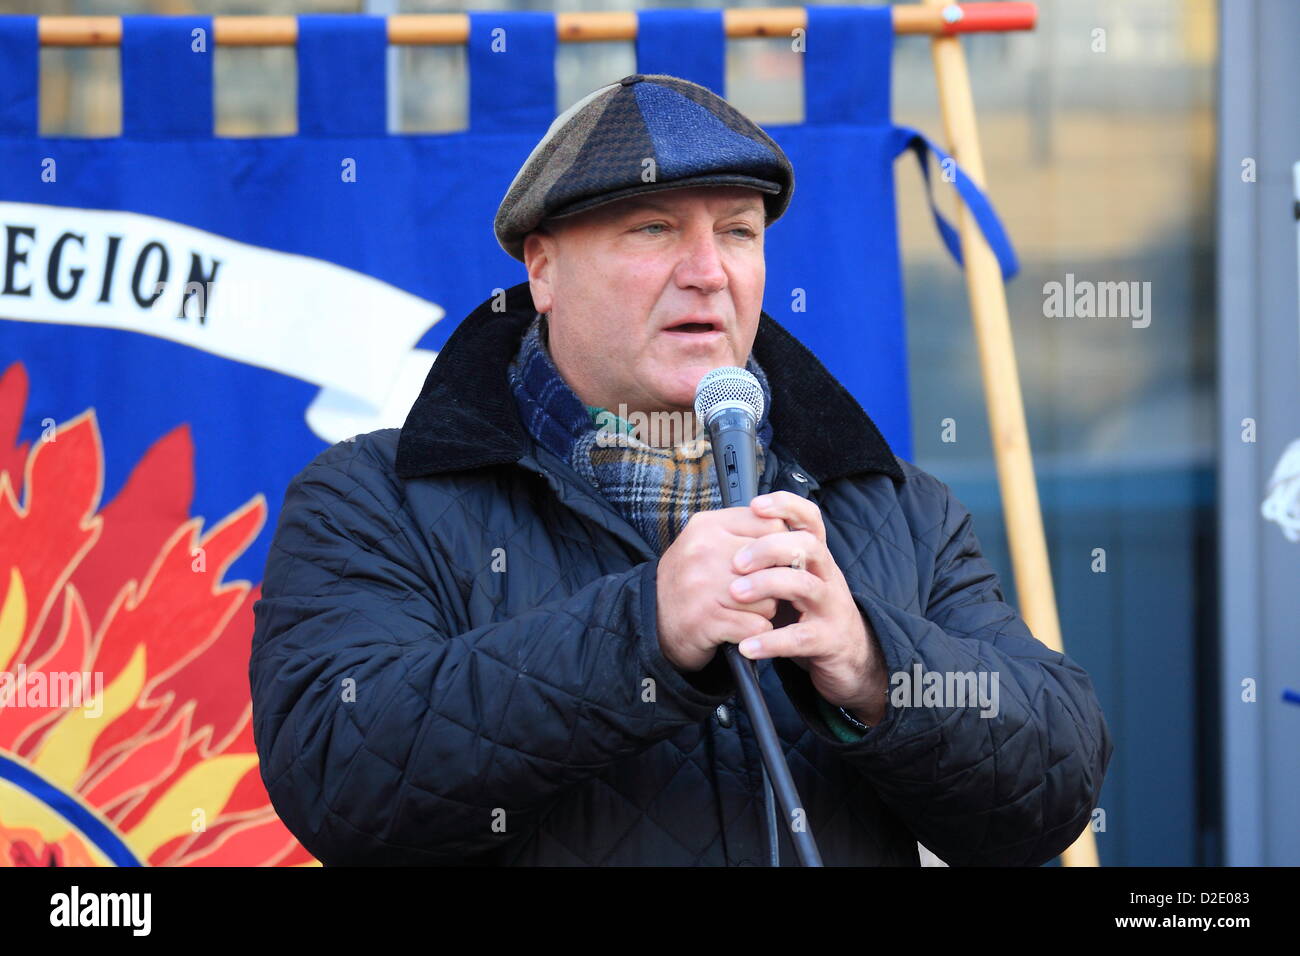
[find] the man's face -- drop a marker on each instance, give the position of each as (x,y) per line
(619,279)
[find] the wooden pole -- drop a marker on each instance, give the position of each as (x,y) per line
(442,29)
(988,302)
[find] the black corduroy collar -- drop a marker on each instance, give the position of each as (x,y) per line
(466,416)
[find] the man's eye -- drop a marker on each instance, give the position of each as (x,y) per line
(749,233)
(652,225)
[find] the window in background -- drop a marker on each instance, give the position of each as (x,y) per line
(1098,139)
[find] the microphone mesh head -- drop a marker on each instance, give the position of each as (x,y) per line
(727,387)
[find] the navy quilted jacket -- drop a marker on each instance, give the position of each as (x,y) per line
(456,659)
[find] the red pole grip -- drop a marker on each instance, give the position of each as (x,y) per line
(989,17)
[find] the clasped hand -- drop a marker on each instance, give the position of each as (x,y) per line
(722,578)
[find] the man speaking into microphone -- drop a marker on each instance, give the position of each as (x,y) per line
(494,636)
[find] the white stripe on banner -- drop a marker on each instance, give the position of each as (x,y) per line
(343,330)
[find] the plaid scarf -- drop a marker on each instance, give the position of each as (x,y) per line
(655,489)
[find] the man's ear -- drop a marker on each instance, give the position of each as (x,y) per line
(539,259)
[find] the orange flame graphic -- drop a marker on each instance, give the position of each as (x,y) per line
(162,766)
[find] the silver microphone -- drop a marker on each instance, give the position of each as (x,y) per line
(729,403)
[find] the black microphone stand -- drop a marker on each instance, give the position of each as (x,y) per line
(732,432)
(776,772)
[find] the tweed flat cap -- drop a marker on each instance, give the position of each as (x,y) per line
(597,151)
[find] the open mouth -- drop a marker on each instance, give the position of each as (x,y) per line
(706,327)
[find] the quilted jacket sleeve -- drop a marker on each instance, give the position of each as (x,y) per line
(387,736)
(1007,785)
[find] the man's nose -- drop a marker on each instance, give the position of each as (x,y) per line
(701,264)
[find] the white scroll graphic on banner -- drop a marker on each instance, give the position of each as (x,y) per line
(348,332)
